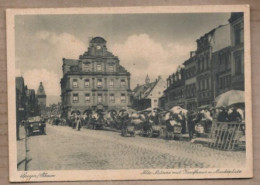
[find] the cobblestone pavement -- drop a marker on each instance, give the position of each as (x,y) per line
(64,148)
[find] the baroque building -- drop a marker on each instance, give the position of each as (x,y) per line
(94,81)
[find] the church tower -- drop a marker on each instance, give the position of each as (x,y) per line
(41,96)
(147,79)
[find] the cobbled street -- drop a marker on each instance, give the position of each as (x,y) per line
(64,148)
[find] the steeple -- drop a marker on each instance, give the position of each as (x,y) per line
(41,91)
(147,79)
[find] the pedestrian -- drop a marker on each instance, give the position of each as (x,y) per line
(191,124)
(242,113)
(208,121)
(223,115)
(182,120)
(234,115)
(78,123)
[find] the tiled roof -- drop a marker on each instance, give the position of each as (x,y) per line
(142,91)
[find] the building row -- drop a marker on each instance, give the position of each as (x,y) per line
(215,67)
(97,80)
(28,102)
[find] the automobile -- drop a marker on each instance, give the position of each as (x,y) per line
(36,125)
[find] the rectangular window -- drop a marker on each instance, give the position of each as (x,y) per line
(226,61)
(99,68)
(75,98)
(111,83)
(99,83)
(87,97)
(123,98)
(220,59)
(206,64)
(228,81)
(238,64)
(112,98)
(75,83)
(123,83)
(86,83)
(111,68)
(99,98)
(85,67)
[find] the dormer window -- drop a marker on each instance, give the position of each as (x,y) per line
(99,68)
(111,68)
(85,67)
(123,83)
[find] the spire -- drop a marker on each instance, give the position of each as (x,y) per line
(41,90)
(147,79)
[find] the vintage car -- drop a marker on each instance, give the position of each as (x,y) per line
(36,125)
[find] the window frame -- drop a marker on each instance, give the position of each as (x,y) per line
(75,83)
(86,80)
(97,67)
(99,83)
(99,98)
(112,100)
(87,95)
(75,95)
(121,98)
(122,83)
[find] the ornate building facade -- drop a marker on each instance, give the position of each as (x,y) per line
(94,81)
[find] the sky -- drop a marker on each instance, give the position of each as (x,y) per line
(153,44)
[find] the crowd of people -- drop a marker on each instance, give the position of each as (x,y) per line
(190,121)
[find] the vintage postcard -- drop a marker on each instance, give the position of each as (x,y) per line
(129,93)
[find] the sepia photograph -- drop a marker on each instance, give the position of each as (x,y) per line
(129,93)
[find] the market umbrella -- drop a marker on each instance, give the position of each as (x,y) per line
(177,110)
(75,112)
(204,107)
(229,98)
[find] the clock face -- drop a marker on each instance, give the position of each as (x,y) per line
(98,47)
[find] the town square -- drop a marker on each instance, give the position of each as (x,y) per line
(132,100)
